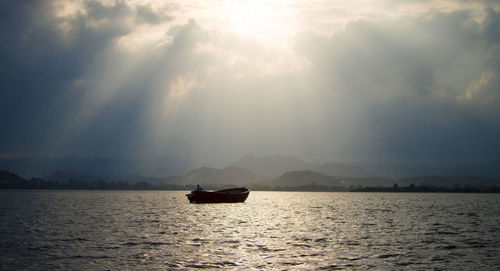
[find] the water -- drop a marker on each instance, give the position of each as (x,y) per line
(140,230)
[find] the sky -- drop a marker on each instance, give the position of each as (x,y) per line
(210,81)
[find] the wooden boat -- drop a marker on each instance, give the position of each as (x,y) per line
(226,195)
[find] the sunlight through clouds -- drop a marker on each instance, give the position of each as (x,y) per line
(178,91)
(331,80)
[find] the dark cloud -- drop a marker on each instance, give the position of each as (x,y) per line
(41,63)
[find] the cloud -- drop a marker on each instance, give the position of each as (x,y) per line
(491,26)
(145,14)
(124,106)
(422,88)
(97,11)
(406,80)
(41,63)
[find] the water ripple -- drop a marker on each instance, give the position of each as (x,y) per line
(109,230)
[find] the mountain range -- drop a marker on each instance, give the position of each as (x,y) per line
(303,177)
(267,171)
(275,166)
(271,166)
(227,176)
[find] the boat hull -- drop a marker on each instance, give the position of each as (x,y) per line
(221,196)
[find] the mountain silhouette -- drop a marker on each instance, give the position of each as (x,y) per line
(276,165)
(303,177)
(229,175)
(271,166)
(9,178)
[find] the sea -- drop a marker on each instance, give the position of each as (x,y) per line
(161,230)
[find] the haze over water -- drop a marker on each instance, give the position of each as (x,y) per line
(139,230)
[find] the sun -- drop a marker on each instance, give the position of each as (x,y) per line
(261,20)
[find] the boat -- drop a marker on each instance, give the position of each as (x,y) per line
(239,194)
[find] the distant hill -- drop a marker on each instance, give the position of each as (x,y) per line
(303,177)
(8,178)
(275,166)
(343,170)
(229,175)
(271,166)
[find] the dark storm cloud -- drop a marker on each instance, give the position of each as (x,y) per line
(40,63)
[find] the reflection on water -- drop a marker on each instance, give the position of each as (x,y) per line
(272,230)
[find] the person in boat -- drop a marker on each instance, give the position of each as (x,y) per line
(199,188)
